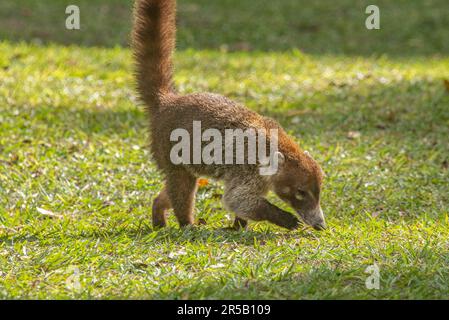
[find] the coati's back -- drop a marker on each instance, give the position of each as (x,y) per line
(211,111)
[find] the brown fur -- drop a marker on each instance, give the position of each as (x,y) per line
(245,188)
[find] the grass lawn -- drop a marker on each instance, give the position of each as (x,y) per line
(77,181)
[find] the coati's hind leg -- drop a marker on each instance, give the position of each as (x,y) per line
(246,203)
(160,207)
(181,188)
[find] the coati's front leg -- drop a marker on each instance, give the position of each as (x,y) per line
(179,194)
(246,203)
(265,211)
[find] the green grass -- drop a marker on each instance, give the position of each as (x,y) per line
(73,142)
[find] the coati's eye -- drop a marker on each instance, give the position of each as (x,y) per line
(301,194)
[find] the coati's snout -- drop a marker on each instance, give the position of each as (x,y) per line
(298,183)
(314,218)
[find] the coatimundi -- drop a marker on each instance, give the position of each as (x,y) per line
(298,178)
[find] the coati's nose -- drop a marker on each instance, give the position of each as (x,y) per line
(319,223)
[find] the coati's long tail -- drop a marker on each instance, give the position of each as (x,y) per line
(153,43)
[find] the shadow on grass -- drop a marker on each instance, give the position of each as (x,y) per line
(200,234)
(408,28)
(169,234)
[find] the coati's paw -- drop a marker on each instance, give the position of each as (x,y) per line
(291,222)
(158,223)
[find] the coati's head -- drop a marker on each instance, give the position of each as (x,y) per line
(298,183)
